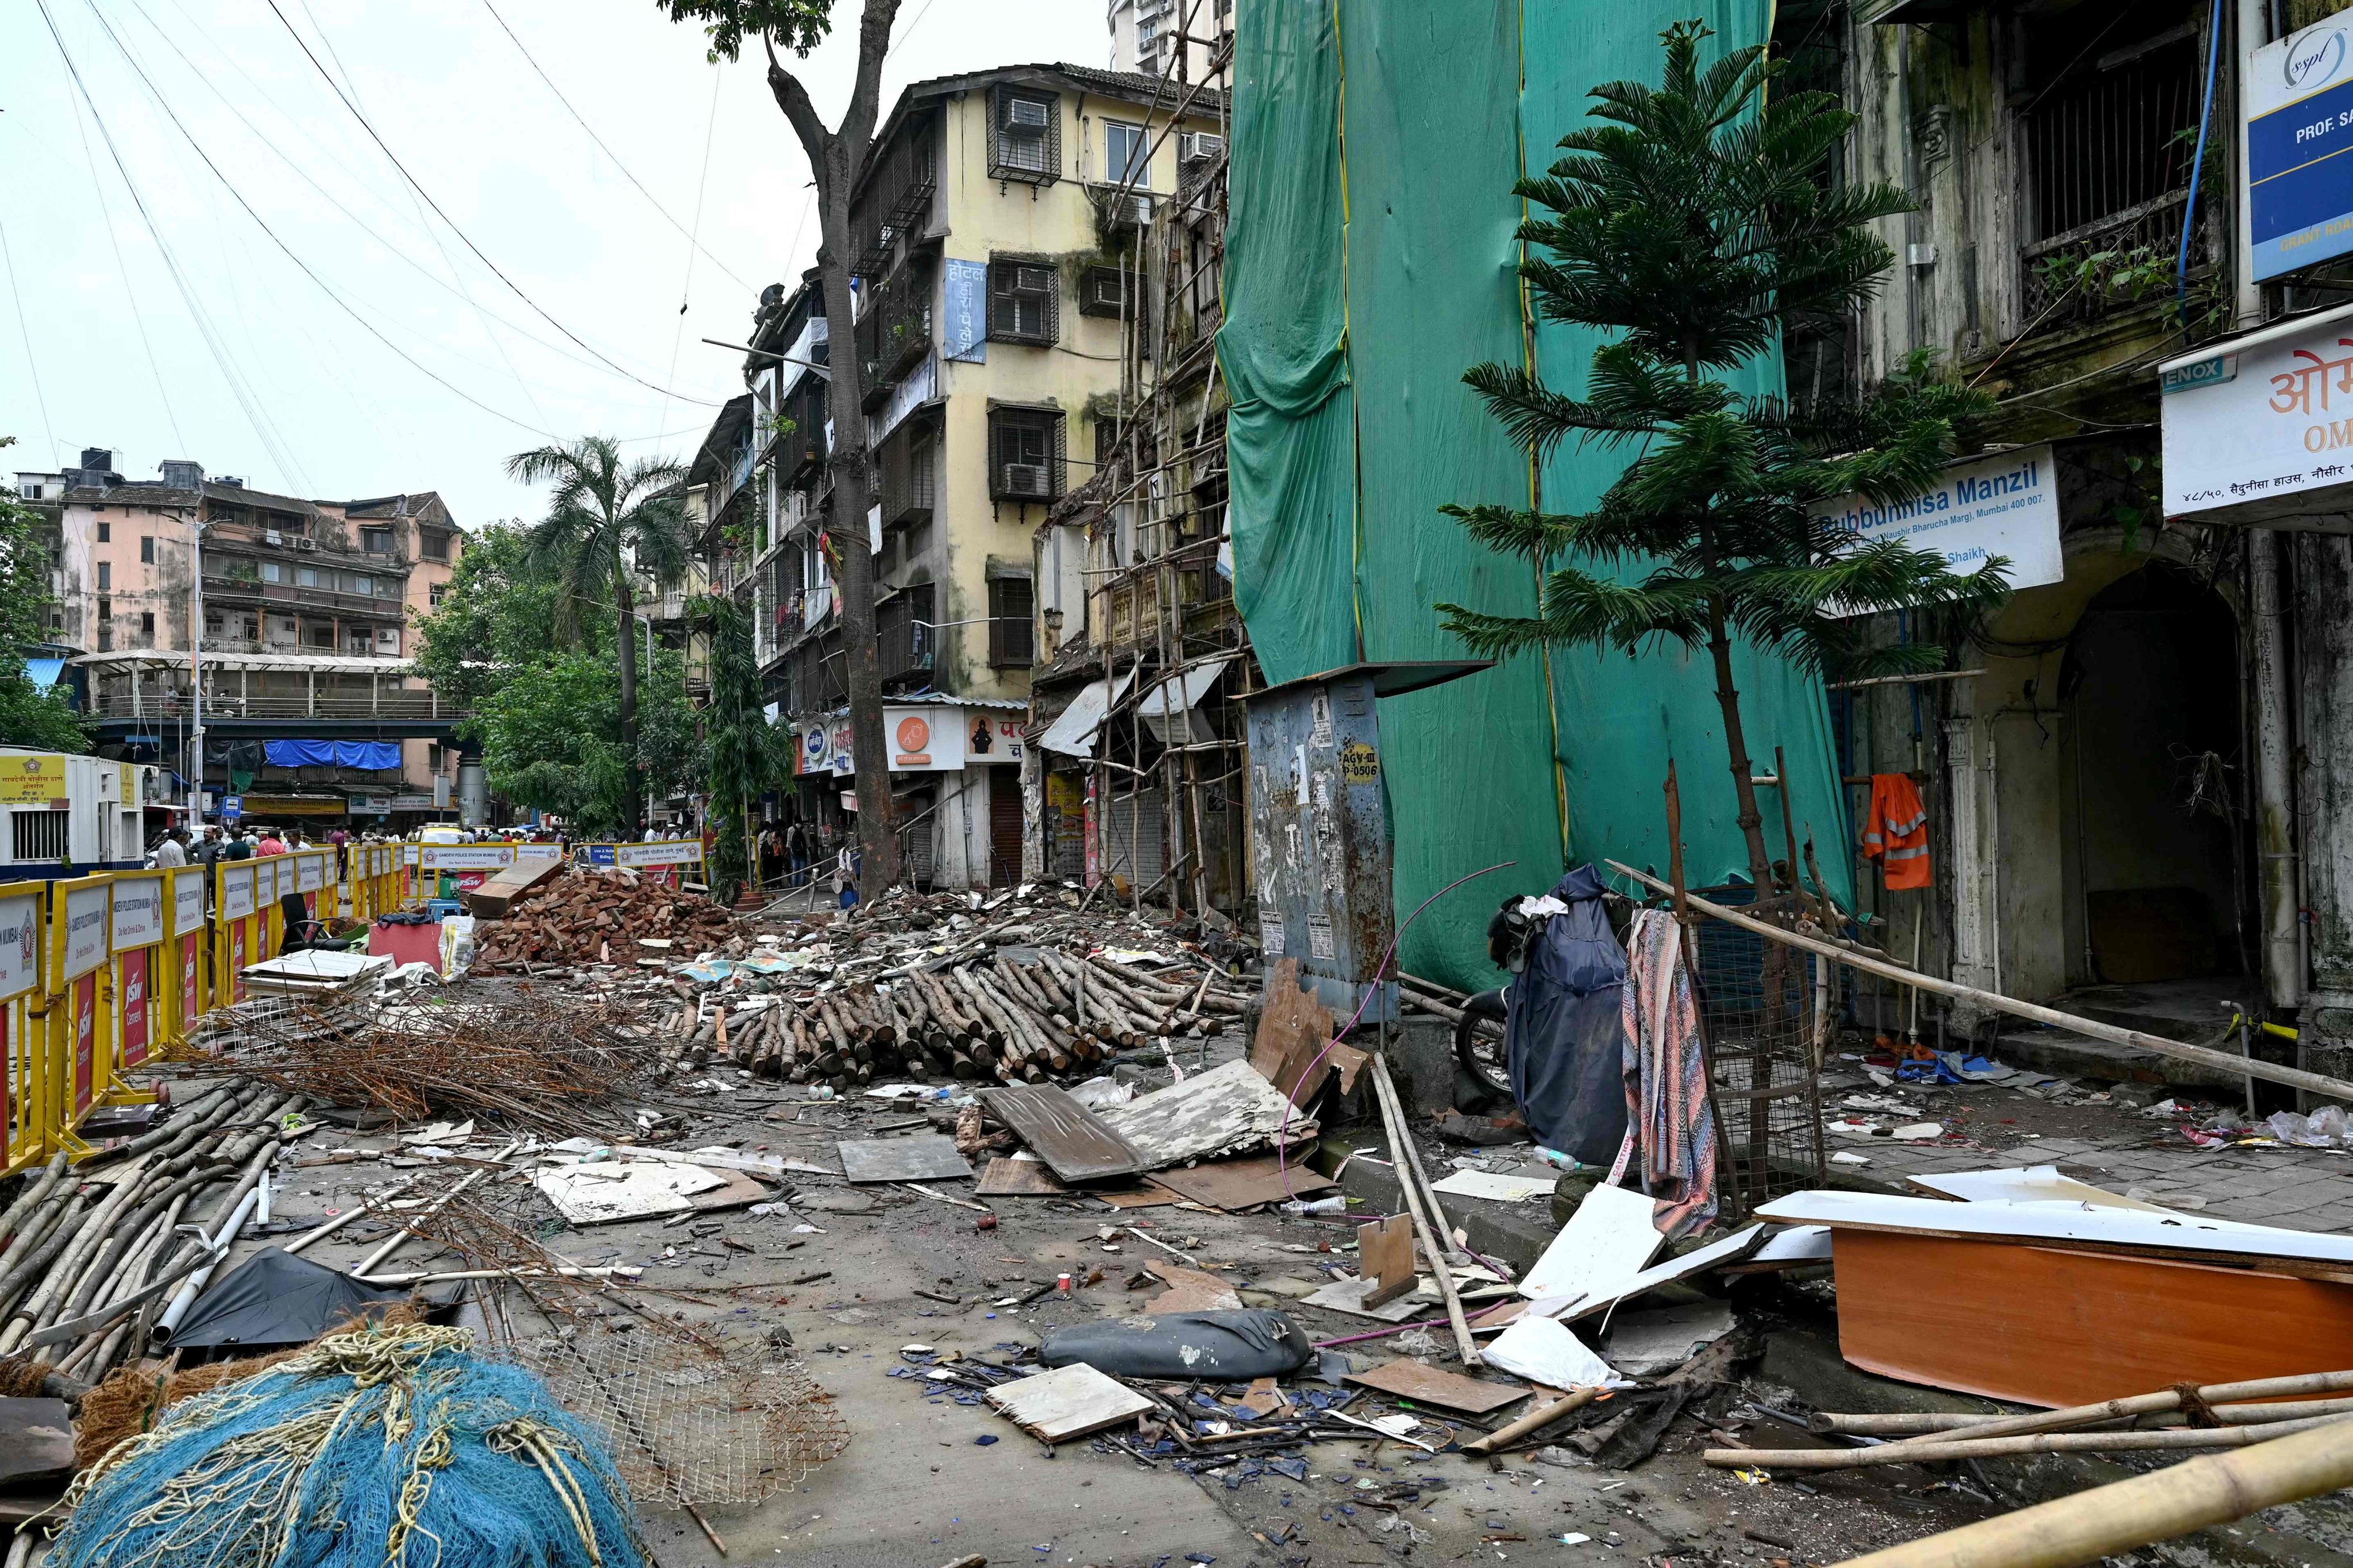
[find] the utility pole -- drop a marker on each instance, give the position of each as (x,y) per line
(197,673)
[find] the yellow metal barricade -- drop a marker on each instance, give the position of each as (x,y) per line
(237,927)
(136,931)
(23,1034)
(180,987)
(81,921)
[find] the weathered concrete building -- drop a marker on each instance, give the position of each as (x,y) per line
(990,227)
(306,611)
(2131,772)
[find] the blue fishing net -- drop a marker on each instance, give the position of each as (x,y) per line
(387,1448)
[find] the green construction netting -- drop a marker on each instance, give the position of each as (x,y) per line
(1364,275)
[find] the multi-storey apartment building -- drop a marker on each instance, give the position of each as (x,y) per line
(995,232)
(305,608)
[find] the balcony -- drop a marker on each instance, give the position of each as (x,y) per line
(252,591)
(895,332)
(230,704)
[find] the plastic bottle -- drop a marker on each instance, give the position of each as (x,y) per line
(1319,1206)
(1559,1161)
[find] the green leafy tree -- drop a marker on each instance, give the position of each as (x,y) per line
(29,715)
(497,616)
(1693,227)
(742,753)
(607,522)
(837,158)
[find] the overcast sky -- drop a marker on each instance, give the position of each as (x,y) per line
(213,344)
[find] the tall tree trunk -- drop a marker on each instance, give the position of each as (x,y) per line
(632,776)
(1735,742)
(836,157)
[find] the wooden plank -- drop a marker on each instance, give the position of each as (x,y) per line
(1063,1133)
(498,895)
(1068,1401)
(1190,1290)
(1248,1183)
(2059,1326)
(1384,1257)
(1447,1390)
(36,1442)
(1019,1179)
(1227,1109)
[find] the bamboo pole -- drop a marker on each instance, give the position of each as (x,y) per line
(1400,1147)
(1544,1416)
(1913,1424)
(2141,1511)
(1969,1446)
(2162,1402)
(2229,1062)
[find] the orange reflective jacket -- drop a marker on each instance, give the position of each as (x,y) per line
(1897,835)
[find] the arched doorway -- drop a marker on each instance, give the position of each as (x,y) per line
(2150,700)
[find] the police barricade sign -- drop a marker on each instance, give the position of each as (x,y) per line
(237,927)
(23,1043)
(453,869)
(663,861)
(137,938)
(311,879)
(79,922)
(181,992)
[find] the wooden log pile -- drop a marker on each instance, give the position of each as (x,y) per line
(980,1016)
(590,915)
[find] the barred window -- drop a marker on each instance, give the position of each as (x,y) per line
(1024,136)
(1025,455)
(1024,305)
(1012,633)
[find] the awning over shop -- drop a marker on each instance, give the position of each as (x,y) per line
(1176,697)
(44,672)
(1075,733)
(331,753)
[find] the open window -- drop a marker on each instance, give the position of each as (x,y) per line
(1025,455)
(1025,135)
(1024,305)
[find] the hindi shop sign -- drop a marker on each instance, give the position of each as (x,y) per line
(2006,505)
(2256,438)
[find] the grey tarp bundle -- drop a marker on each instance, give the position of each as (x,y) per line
(276,1299)
(1216,1347)
(1562,1037)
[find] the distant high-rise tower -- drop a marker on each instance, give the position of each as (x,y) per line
(1144,34)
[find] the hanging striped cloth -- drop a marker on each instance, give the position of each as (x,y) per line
(1668,1120)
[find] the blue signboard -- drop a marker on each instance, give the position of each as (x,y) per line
(2299,107)
(232,808)
(965,334)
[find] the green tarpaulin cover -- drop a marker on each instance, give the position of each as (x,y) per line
(1370,259)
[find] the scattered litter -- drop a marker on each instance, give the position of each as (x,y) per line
(1069,1402)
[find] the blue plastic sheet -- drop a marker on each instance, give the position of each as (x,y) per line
(331,753)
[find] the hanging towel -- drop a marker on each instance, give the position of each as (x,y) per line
(1897,835)
(1668,1120)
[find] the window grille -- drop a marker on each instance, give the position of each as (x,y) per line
(1024,136)
(1024,305)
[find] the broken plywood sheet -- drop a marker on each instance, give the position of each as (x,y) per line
(1235,1186)
(599,1191)
(1644,1343)
(1007,1178)
(1496,1188)
(2113,1229)
(1294,1049)
(1063,1133)
(36,1443)
(1068,1401)
(1229,1110)
(1348,1296)
(927,1157)
(1190,1290)
(2032,1184)
(737,1191)
(1606,1241)
(1447,1390)
(1137,1197)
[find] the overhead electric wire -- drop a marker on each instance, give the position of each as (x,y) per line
(686,288)
(324,288)
(123,273)
(328,77)
(32,364)
(692,236)
(391,247)
(263,430)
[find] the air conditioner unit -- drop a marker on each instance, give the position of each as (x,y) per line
(1192,146)
(1106,291)
(1028,480)
(306,545)
(1129,211)
(272,536)
(1025,114)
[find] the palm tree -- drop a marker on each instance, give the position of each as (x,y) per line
(607,523)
